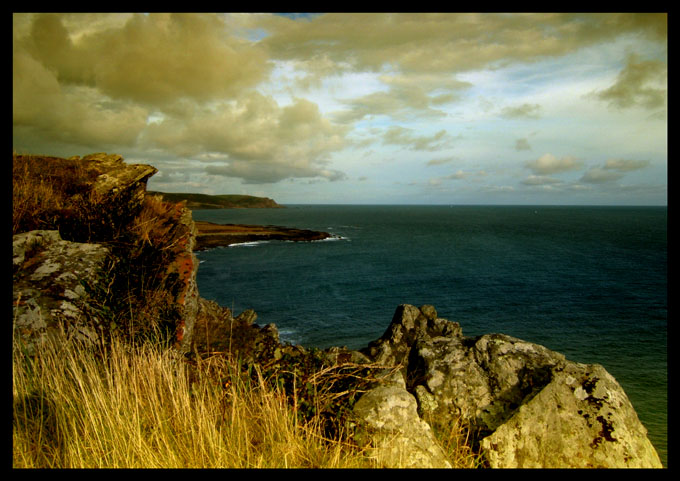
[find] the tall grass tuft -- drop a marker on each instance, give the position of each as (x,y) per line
(143,407)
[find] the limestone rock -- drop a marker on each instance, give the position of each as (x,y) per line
(581,419)
(388,422)
(482,381)
(49,296)
(408,324)
(527,405)
(116,176)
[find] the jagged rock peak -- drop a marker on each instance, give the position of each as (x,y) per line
(527,406)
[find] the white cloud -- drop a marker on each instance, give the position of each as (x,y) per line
(598,175)
(549,164)
(540,180)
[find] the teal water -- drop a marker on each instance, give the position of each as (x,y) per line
(589,282)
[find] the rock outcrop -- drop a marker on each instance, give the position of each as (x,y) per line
(217,330)
(107,244)
(106,229)
(529,406)
(49,292)
(398,438)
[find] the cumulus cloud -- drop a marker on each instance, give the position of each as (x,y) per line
(152,59)
(640,83)
(445,42)
(419,47)
(43,108)
(201,91)
(459,175)
(263,141)
(549,164)
(270,172)
(179,84)
(403,99)
(540,180)
(440,160)
(612,170)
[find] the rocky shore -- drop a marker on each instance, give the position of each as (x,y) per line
(215,235)
(105,246)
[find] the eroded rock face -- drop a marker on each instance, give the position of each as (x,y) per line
(529,406)
(580,419)
(117,178)
(114,198)
(48,290)
(183,269)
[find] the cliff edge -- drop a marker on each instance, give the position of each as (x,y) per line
(95,255)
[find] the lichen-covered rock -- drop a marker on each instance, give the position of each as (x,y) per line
(183,269)
(108,203)
(408,324)
(116,177)
(49,292)
(388,425)
(580,419)
(528,405)
(483,380)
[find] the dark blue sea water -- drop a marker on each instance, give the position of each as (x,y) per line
(589,282)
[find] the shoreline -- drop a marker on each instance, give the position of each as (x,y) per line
(212,235)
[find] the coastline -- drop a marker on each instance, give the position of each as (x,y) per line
(212,235)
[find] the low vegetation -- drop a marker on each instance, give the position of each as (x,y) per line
(134,407)
(143,406)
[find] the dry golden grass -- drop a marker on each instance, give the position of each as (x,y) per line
(143,407)
(455,440)
(139,407)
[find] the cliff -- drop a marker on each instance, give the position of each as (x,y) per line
(94,255)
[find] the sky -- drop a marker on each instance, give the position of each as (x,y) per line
(361,108)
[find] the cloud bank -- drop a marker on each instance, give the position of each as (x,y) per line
(221,100)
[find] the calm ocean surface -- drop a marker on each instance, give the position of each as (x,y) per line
(589,282)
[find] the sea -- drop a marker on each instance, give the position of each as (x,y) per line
(590,282)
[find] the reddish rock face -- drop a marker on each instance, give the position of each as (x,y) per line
(144,254)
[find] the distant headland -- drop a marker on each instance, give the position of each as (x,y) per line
(219,235)
(223,201)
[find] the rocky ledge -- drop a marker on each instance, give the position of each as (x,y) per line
(527,406)
(215,235)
